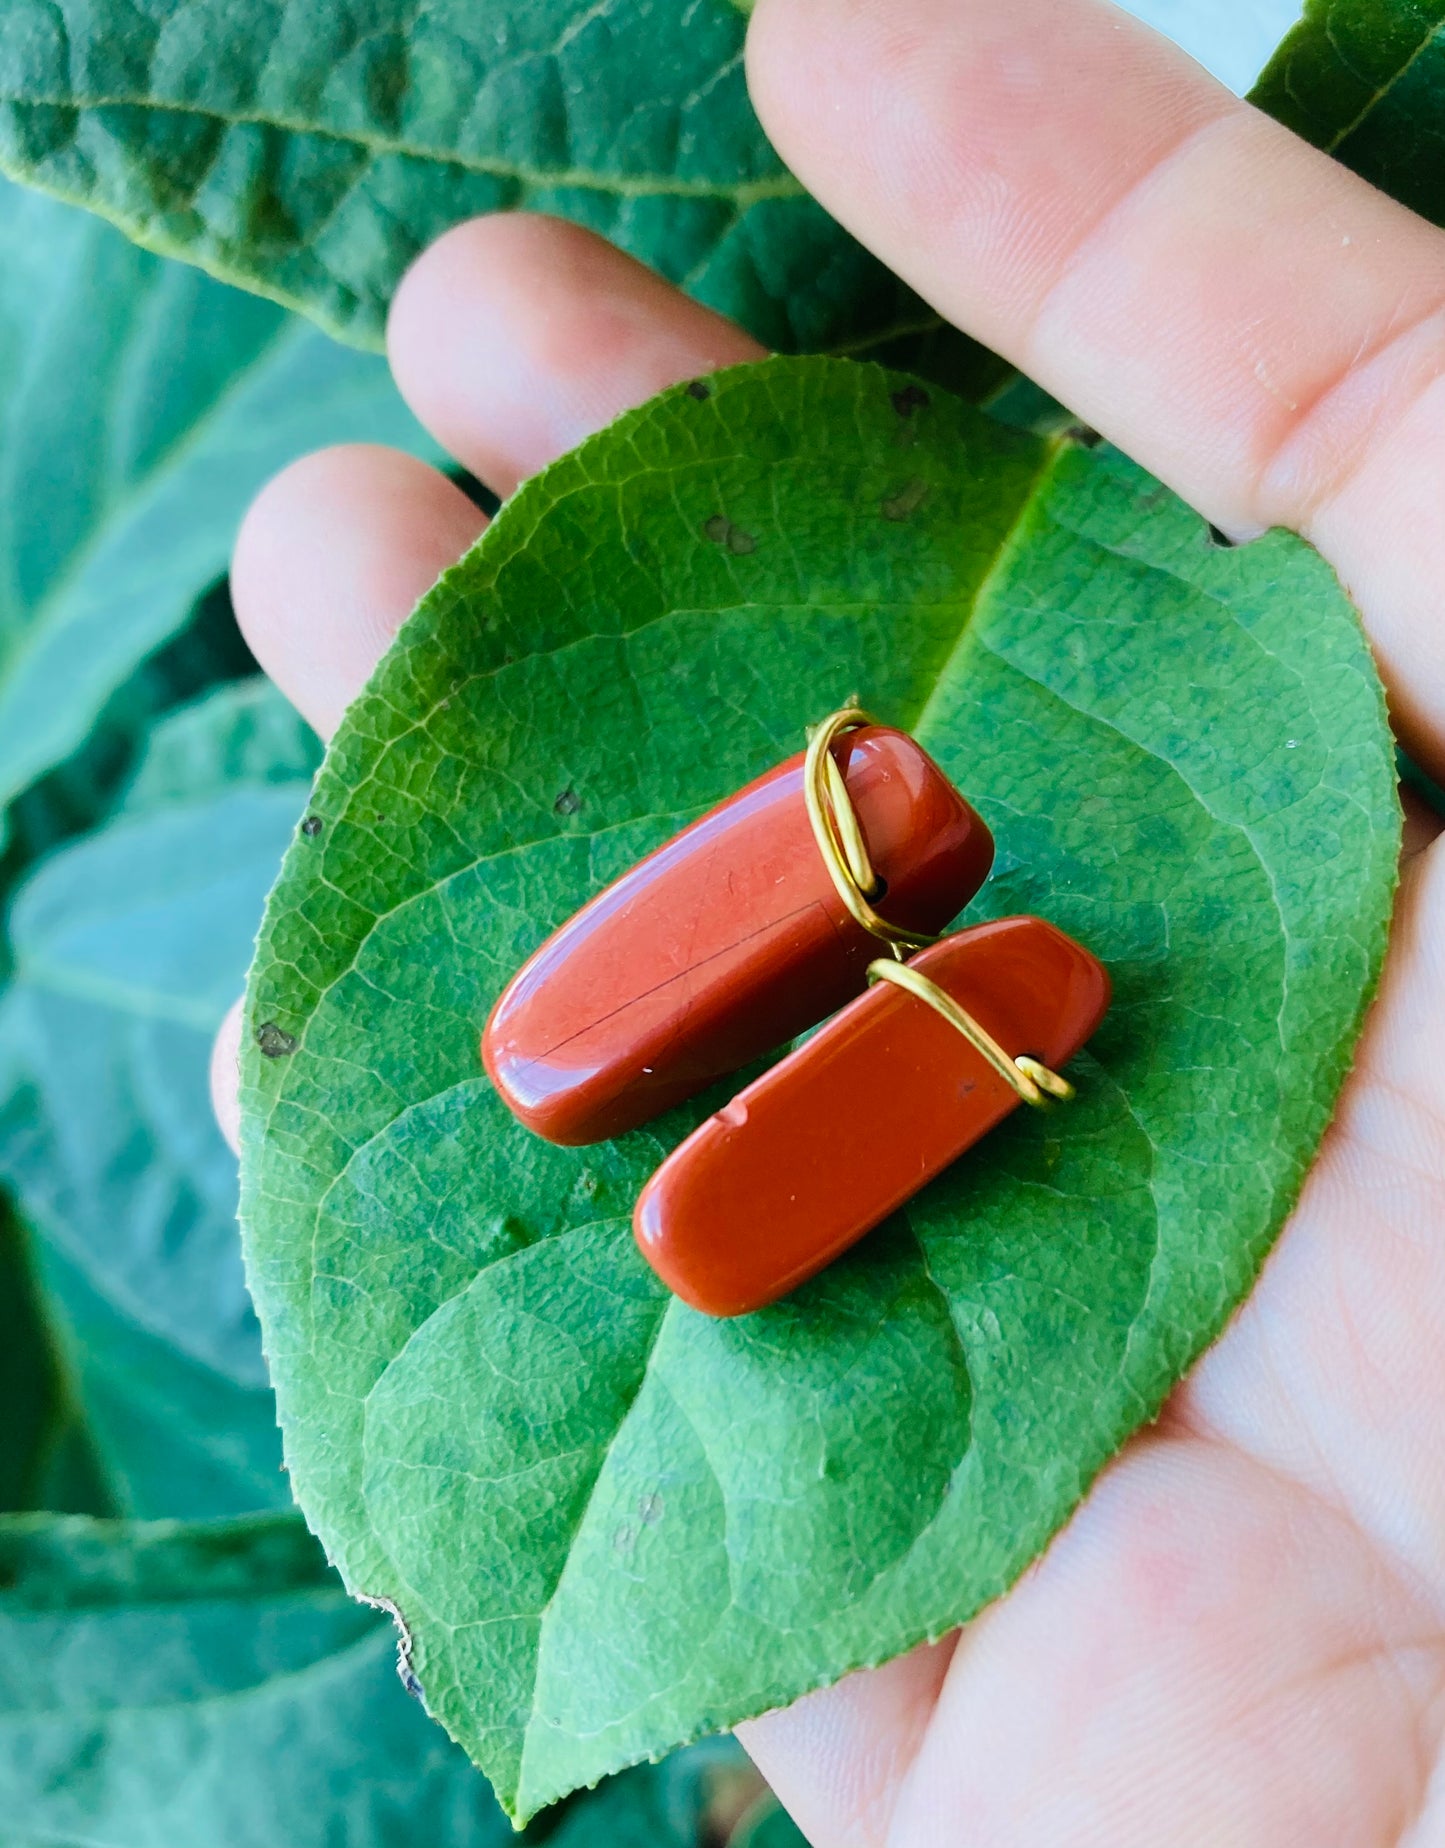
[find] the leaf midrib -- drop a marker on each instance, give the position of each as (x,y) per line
(742,194)
(1378,96)
(1053,450)
(134,999)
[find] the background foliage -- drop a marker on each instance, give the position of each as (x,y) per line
(179,1661)
(162,1609)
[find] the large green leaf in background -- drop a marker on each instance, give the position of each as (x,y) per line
(310,148)
(611,1522)
(209,1684)
(128,948)
(767,1825)
(141,406)
(1365,80)
(241,736)
(214,1686)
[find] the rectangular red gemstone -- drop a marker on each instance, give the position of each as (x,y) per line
(726,942)
(843,1131)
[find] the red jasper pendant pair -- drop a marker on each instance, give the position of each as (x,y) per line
(743,931)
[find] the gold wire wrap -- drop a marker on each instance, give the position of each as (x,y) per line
(845,854)
(839,837)
(1033,1081)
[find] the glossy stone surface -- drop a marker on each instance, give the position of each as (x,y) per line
(724,943)
(844,1130)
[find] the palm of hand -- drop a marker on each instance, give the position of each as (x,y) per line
(1239,1638)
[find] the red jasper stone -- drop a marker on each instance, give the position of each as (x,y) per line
(841,1132)
(724,943)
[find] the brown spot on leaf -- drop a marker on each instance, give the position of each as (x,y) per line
(275,1041)
(906,501)
(568,802)
(721,531)
(1084,436)
(908,399)
(699,390)
(311,827)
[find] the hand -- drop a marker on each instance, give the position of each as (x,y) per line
(1240,1638)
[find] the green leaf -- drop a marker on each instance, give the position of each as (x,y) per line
(128,948)
(46,1459)
(652,1806)
(1365,80)
(211,1685)
(767,1825)
(245,734)
(611,1522)
(141,407)
(76,795)
(311,149)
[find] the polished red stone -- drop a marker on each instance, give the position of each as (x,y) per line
(724,943)
(841,1132)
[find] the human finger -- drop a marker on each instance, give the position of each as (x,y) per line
(330,558)
(515,336)
(1249,320)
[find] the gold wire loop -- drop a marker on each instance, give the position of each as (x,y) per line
(839,837)
(845,854)
(1033,1081)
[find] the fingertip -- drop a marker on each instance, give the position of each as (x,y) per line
(226,1075)
(515,336)
(966,145)
(782,42)
(331,557)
